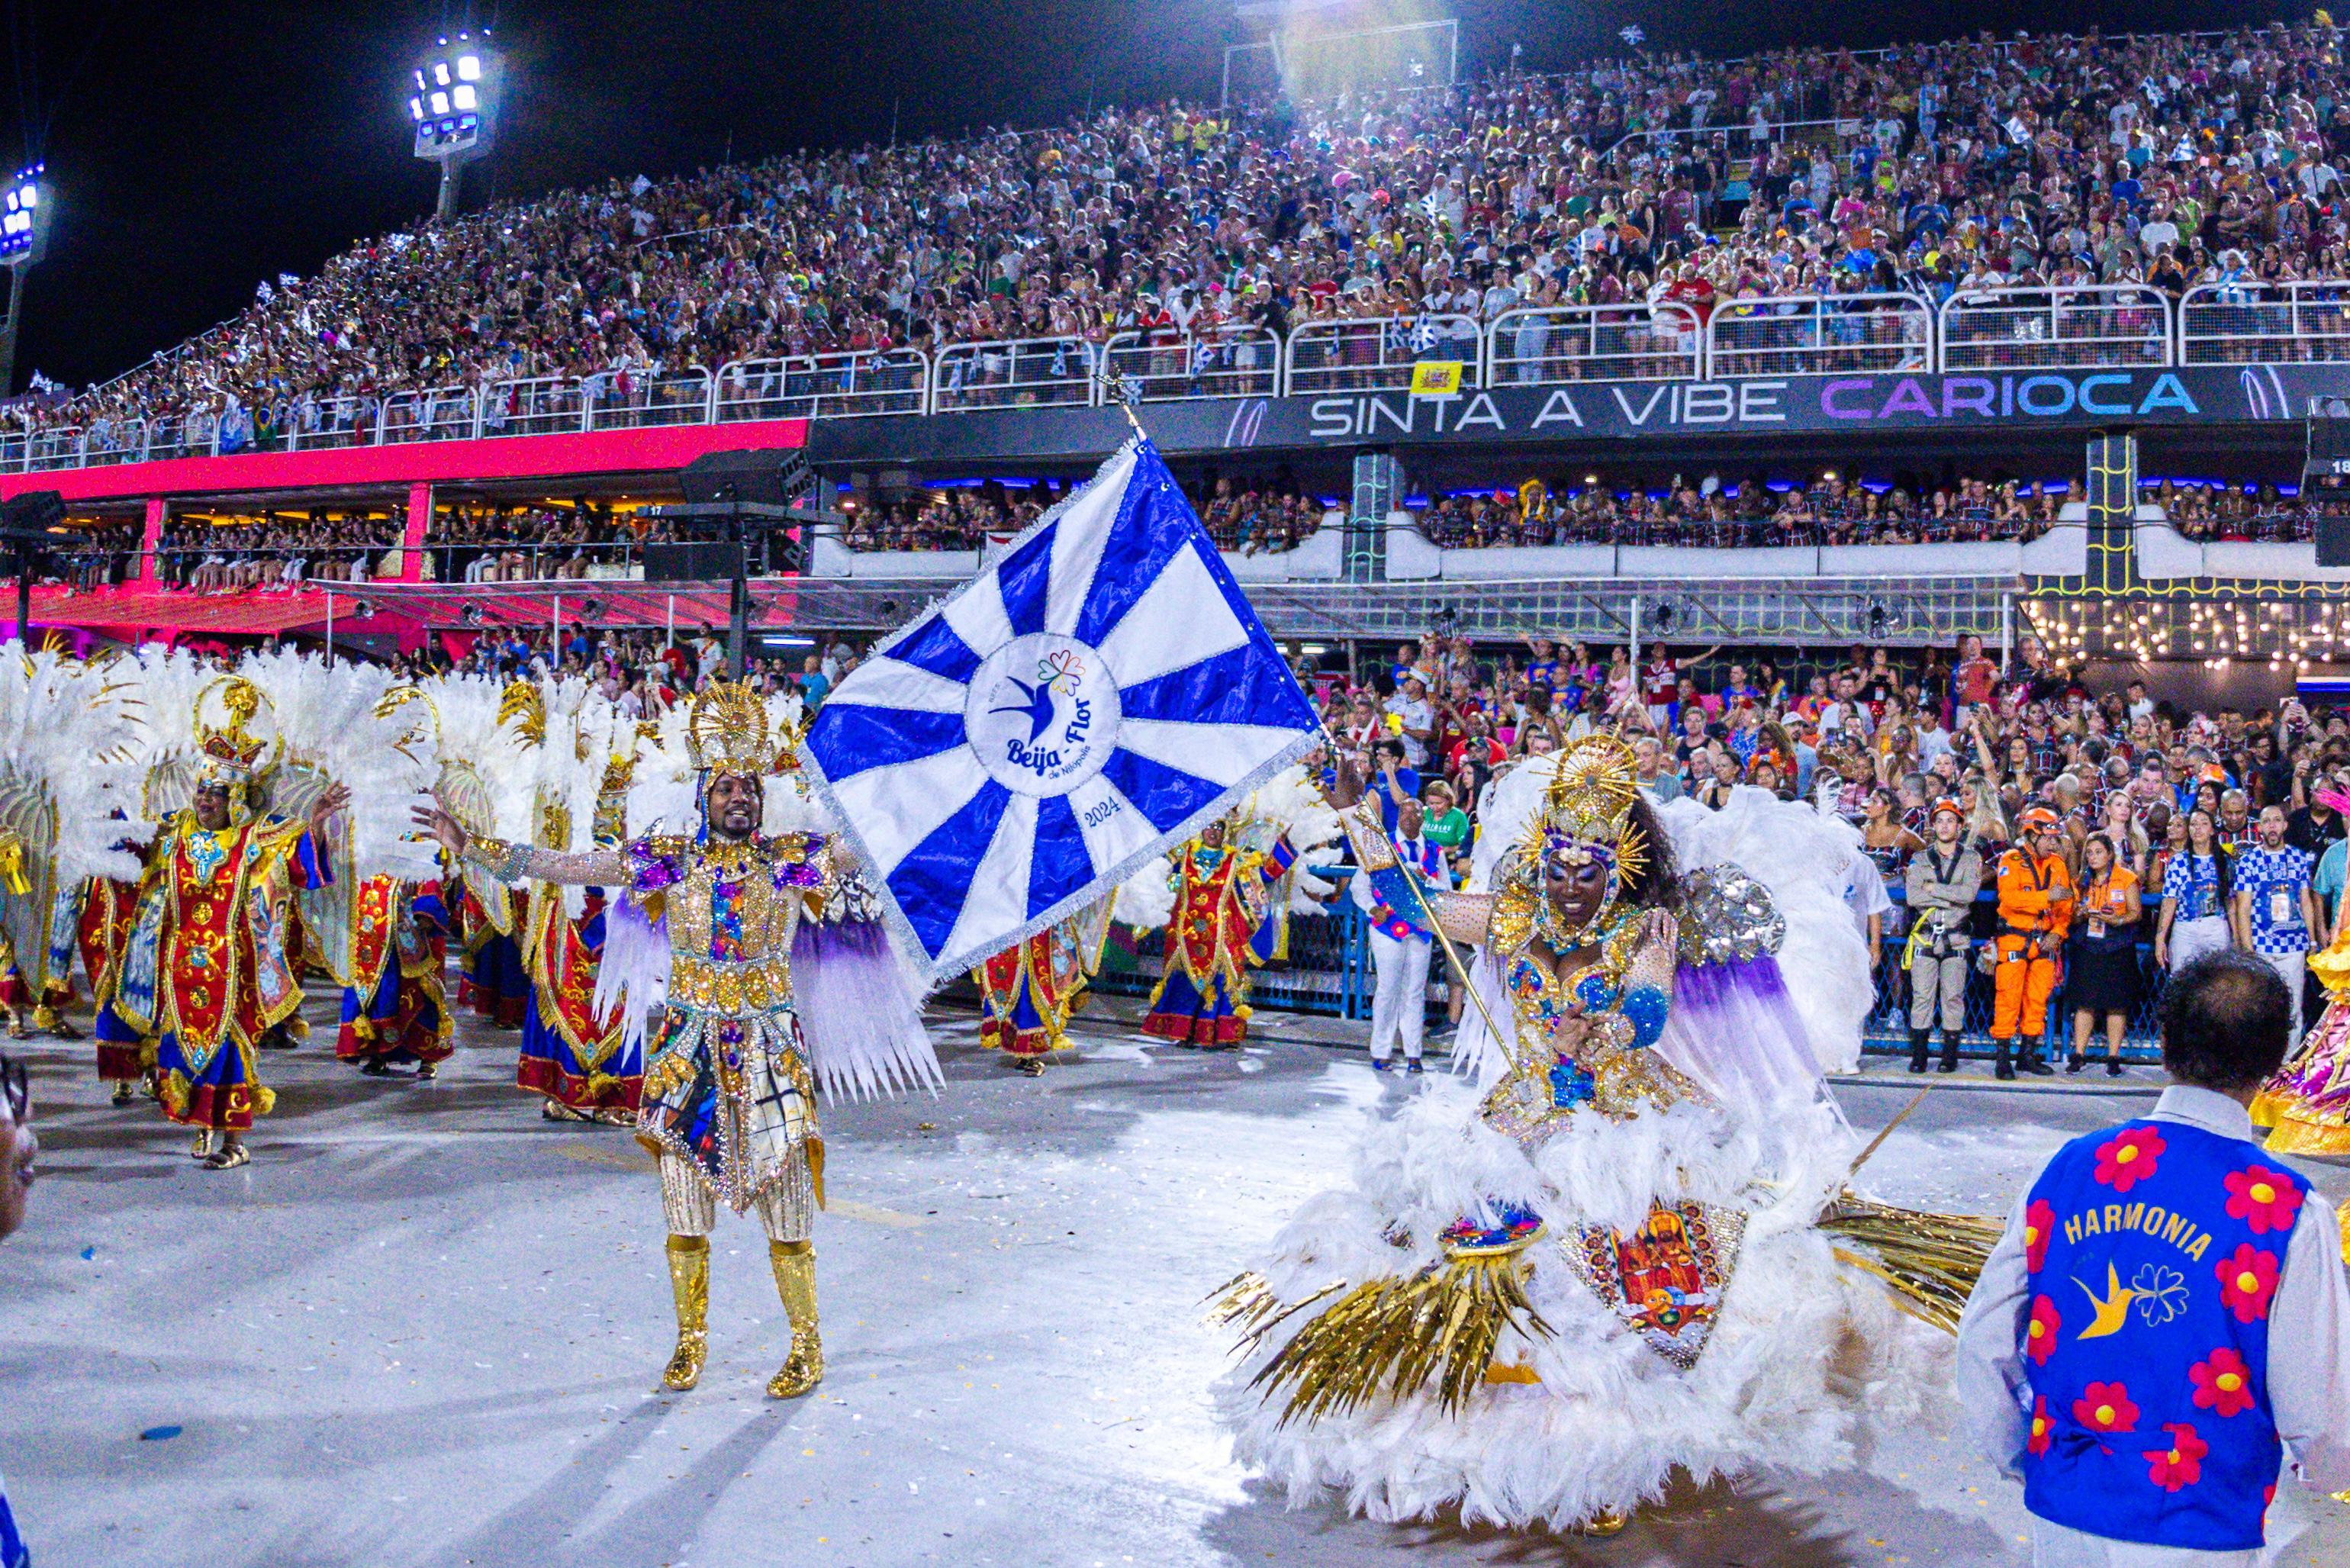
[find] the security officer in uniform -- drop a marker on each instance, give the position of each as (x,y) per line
(1941,884)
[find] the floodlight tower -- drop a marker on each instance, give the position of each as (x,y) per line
(24,240)
(452,103)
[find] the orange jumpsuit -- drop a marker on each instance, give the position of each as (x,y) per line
(2036,910)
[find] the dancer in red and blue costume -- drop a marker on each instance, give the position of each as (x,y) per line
(494,983)
(210,966)
(398,1012)
(1219,929)
(580,1061)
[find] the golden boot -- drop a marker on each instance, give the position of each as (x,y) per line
(794,1266)
(689,1281)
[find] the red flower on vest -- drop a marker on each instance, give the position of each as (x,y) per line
(2247,1280)
(2040,1334)
(2039,1225)
(2224,1383)
(2262,1200)
(2129,1158)
(2043,1428)
(2105,1407)
(2179,1465)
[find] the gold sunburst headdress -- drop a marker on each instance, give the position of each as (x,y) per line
(232,756)
(524,705)
(728,731)
(1586,816)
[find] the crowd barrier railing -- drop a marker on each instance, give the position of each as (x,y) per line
(1013,373)
(1237,361)
(2081,327)
(2305,322)
(823,386)
(2073,326)
(1820,335)
(1376,354)
(1543,346)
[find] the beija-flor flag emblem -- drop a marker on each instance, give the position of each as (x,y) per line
(1029,742)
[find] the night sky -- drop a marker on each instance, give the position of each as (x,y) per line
(198,148)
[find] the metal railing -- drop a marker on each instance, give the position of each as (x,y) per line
(321,422)
(2082,326)
(1543,346)
(1236,362)
(540,405)
(442,413)
(1013,373)
(823,386)
(619,401)
(2265,323)
(1376,354)
(1820,335)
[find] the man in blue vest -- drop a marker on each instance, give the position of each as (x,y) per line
(18,1148)
(1400,935)
(2166,1316)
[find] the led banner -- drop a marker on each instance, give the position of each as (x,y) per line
(2019,401)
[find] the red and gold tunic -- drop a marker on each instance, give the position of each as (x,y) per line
(1218,929)
(208,967)
(101,933)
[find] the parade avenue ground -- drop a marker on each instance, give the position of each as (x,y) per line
(426,1327)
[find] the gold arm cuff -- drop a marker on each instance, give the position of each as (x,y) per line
(1365,830)
(501,859)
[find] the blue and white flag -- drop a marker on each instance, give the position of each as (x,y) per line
(1101,692)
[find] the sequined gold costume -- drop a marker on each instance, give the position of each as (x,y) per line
(728,1106)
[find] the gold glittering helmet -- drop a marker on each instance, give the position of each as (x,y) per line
(1586,816)
(727,732)
(231,756)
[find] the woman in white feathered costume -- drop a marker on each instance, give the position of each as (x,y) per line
(1536,1305)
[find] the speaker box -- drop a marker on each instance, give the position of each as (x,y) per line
(2333,541)
(767,477)
(697,562)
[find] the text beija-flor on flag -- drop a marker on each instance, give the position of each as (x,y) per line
(1100,691)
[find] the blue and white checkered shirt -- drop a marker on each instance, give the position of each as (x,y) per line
(2274,879)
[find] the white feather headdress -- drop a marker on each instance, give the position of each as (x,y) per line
(341,724)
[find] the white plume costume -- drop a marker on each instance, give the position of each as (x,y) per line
(1535,1304)
(69,778)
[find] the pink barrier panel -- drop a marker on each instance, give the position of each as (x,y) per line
(651,450)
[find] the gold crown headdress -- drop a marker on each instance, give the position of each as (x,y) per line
(1586,812)
(230,757)
(232,751)
(727,732)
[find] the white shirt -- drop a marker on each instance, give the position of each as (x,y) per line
(1416,715)
(1864,890)
(2309,1359)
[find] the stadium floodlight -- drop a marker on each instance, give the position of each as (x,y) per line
(453,109)
(24,208)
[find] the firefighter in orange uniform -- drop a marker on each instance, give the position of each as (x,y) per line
(2036,910)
